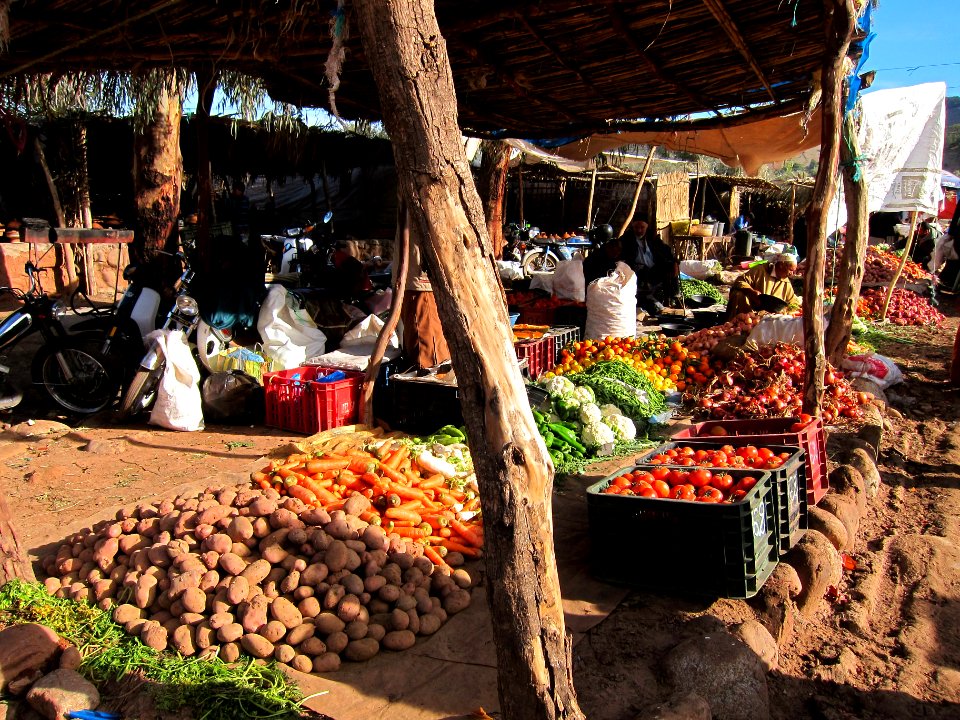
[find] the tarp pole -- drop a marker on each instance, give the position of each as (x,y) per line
(793,211)
(593,185)
(903,262)
(636,193)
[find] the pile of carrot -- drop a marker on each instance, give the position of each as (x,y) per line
(405,499)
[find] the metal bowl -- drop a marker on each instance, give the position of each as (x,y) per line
(675,329)
(698,301)
(771,304)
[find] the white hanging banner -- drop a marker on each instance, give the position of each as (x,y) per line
(901,139)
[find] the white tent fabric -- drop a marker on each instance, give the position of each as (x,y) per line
(537,153)
(901,137)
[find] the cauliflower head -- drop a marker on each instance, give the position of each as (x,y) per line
(610,409)
(590,414)
(622,427)
(560,386)
(584,394)
(597,435)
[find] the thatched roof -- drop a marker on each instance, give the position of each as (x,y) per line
(529,67)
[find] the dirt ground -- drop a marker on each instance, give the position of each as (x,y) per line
(888,647)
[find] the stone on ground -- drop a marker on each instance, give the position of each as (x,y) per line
(62,692)
(25,652)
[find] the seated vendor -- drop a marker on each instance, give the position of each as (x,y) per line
(772,278)
(658,273)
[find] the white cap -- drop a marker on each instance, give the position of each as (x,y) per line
(786,258)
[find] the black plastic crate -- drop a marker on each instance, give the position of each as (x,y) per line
(424,406)
(790,504)
(562,337)
(715,549)
(571,316)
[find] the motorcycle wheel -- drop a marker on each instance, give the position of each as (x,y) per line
(75,377)
(540,262)
(141,392)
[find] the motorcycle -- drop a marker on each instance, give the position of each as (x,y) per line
(183,315)
(75,375)
(547,254)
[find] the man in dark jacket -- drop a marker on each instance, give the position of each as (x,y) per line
(658,273)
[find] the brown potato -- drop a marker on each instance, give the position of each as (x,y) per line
(286,612)
(256,572)
(399,640)
(273,631)
(257,645)
(230,652)
(230,633)
(312,646)
(328,662)
(361,650)
(302,663)
(183,640)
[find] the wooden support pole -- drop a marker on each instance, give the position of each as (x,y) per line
(206,87)
(636,193)
(854,251)
(903,262)
(401,252)
(593,186)
(840,16)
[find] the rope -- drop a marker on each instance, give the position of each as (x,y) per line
(339,31)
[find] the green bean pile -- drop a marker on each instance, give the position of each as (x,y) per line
(617,383)
(689,288)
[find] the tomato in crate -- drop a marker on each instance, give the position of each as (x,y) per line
(804,432)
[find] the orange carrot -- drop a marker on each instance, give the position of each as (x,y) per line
(395,513)
(361,465)
(455,546)
(396,457)
(302,493)
(466,532)
(335,505)
(259,477)
(410,505)
(327,463)
(436,521)
(431,552)
(348,479)
(434,481)
(410,532)
(371,517)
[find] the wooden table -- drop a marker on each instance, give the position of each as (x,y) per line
(700,247)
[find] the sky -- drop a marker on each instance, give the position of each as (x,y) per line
(917,42)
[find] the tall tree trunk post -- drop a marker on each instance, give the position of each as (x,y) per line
(492,186)
(206,88)
(158,172)
(408,57)
(840,17)
(636,193)
(903,262)
(84,211)
(854,252)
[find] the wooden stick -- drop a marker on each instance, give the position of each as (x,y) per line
(593,186)
(399,285)
(636,193)
(793,210)
(903,262)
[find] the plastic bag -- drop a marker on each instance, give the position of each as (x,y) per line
(355,357)
(366,332)
(233,397)
(777,328)
(568,280)
(289,334)
(612,304)
(510,270)
(878,369)
(700,269)
(542,281)
(178,405)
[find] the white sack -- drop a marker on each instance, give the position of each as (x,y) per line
(876,368)
(289,334)
(510,270)
(356,357)
(178,405)
(777,328)
(700,269)
(612,304)
(568,280)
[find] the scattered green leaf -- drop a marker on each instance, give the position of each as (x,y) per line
(234,444)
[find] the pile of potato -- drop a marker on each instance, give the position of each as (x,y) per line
(243,570)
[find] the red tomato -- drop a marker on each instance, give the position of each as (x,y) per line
(701,455)
(642,476)
(701,477)
(660,473)
(685,451)
(764,453)
(622,481)
(722,481)
(612,489)
(662,488)
(678,477)
(683,492)
(728,450)
(747,451)
(671,453)
(746,483)
(685,461)
(737,496)
(648,492)
(660,459)
(709,494)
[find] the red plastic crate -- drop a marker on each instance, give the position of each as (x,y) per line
(537,353)
(296,402)
(775,431)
